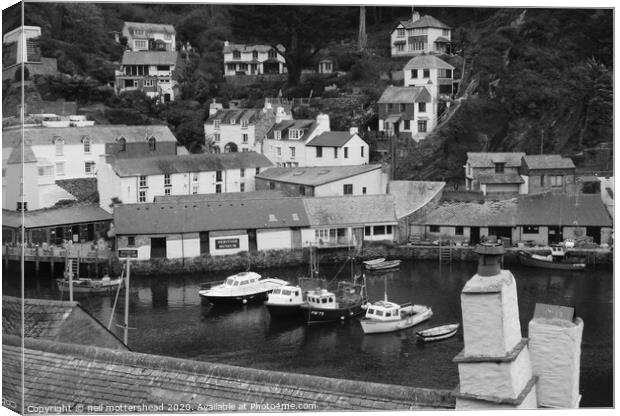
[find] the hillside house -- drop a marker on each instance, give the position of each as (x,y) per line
(337,148)
(242,59)
(326,66)
(406,112)
(418,35)
(149,36)
(53,154)
(544,173)
(324,180)
(494,172)
(152,72)
(19,47)
(432,73)
(139,180)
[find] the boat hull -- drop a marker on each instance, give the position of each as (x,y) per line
(285,311)
(389,264)
(107,288)
(317,316)
(252,297)
(370,326)
(532,262)
(438,333)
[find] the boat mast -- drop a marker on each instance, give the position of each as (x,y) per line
(126,334)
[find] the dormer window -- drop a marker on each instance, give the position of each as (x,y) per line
(254,55)
(232,121)
(138,32)
(295,133)
(427,73)
(86,143)
(272,54)
(60,146)
(244,124)
(236,55)
(499,167)
(216,124)
(277,134)
(152,144)
(122,144)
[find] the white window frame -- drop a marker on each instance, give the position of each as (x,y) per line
(142,181)
(217,137)
(142,195)
(60,168)
(86,143)
(167,180)
(137,44)
(292,152)
(277,135)
(89,167)
(60,146)
(245,138)
(244,123)
(148,83)
(278,151)
(216,124)
(400,32)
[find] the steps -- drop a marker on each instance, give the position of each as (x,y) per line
(445,253)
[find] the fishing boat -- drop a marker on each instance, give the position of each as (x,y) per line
(91,286)
(558,260)
(438,332)
(384,316)
(286,301)
(346,302)
(241,287)
(381,265)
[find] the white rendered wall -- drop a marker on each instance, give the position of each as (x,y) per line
(179,247)
(274,239)
(529,402)
(243,245)
(232,133)
(373,181)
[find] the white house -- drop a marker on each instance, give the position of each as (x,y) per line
(140,180)
(149,36)
(285,143)
(242,59)
(153,72)
(406,111)
(337,148)
(432,73)
(324,180)
(420,35)
(20,36)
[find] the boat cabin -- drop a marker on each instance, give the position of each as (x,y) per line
(322,299)
(290,293)
(242,279)
(383,311)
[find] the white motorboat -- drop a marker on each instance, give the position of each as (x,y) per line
(384,316)
(286,301)
(241,287)
(438,332)
(93,286)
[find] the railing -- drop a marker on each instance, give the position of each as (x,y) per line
(80,251)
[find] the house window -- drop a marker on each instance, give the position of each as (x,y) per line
(218,188)
(363,190)
(499,167)
(390,106)
(294,134)
(426,73)
(230,67)
(236,55)
(400,33)
(167,180)
(272,185)
(319,151)
(86,144)
(147,83)
(362,151)
(406,124)
(22,206)
(195,176)
(257,171)
(530,229)
(167,36)
(131,241)
(242,187)
(302,190)
(347,189)
(43,171)
(142,196)
(152,144)
(542,180)
(217,137)
(60,168)
(272,54)
(278,151)
(167,191)
(556,180)
(139,44)
(60,146)
(458,230)
(346,152)
(142,182)
(195,189)
(422,107)
(414,73)
(400,47)
(367,231)
(89,167)
(277,135)
(335,153)
(138,32)
(292,150)
(232,121)
(242,173)
(244,138)
(434,229)
(378,230)
(445,32)
(244,123)
(422,126)
(218,176)
(122,144)
(216,124)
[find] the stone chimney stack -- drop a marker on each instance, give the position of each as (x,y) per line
(323,121)
(415,16)
(281,114)
(353,130)
(214,107)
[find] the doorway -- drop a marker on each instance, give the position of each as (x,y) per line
(595,233)
(474,235)
(158,247)
(555,234)
(204,242)
(252,246)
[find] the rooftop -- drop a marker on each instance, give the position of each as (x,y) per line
(548,162)
(350,210)
(428,61)
(217,215)
(488,159)
(226,115)
(149,58)
(242,47)
(16,154)
(395,95)
(219,197)
(49,217)
(497,178)
(315,175)
(331,139)
(285,126)
(424,21)
(39,136)
(205,162)
(150,27)
(410,196)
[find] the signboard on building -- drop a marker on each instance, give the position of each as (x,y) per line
(133,254)
(226,243)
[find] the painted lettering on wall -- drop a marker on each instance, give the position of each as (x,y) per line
(226,243)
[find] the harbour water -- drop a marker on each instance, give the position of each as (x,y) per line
(169,318)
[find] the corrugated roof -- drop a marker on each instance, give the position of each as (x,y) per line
(58,373)
(308,126)
(205,162)
(196,216)
(98,134)
(548,162)
(488,159)
(314,175)
(149,58)
(497,178)
(427,61)
(424,21)
(350,210)
(151,27)
(410,196)
(405,95)
(219,197)
(238,114)
(331,138)
(75,214)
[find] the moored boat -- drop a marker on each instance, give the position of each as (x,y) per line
(92,286)
(241,287)
(437,333)
(383,265)
(558,260)
(384,316)
(346,302)
(374,261)
(286,301)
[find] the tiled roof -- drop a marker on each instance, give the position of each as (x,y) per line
(410,196)
(548,162)
(196,216)
(395,95)
(315,175)
(241,47)
(38,136)
(58,373)
(226,115)
(149,58)
(16,154)
(331,138)
(488,159)
(424,21)
(350,210)
(497,178)
(286,125)
(54,321)
(205,162)
(542,209)
(56,216)
(427,61)
(150,27)
(220,197)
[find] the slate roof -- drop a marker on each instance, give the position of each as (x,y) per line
(488,159)
(285,125)
(331,139)
(226,115)
(314,175)
(410,196)
(350,210)
(241,47)
(424,21)
(150,27)
(220,197)
(16,154)
(427,61)
(83,189)
(231,214)
(38,136)
(79,375)
(56,216)
(205,162)
(405,95)
(498,178)
(548,162)
(149,58)
(542,209)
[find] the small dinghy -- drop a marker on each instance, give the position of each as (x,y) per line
(438,332)
(381,264)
